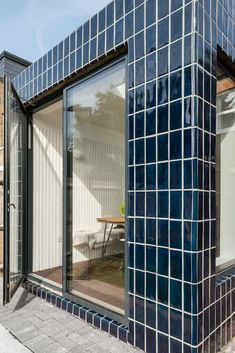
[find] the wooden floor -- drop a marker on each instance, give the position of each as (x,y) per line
(97,289)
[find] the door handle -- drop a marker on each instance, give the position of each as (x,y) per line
(13,205)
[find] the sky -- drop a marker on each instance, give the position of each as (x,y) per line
(29,28)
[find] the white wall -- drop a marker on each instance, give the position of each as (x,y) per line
(47,189)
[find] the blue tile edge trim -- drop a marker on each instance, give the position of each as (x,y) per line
(91,317)
(225,309)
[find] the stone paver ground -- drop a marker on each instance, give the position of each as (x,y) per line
(230,348)
(45,329)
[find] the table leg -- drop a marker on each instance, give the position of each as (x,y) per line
(106,244)
(105,229)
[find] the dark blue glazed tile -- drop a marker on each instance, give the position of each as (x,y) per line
(151,39)
(175,346)
(129,25)
(139,45)
(163,290)
(140,337)
(187,297)
(139,98)
(119,9)
(86,33)
(131,51)
(163,90)
(150,258)
(176,55)
(162,176)
(163,318)
(139,125)
(131,229)
(151,67)
(176,325)
(101,44)
(150,12)
(187,50)
(163,201)
(140,204)
(151,177)
(130,127)
(110,38)
(188,112)
(151,314)
(151,287)
(188,205)
(150,340)
(163,232)
(150,122)
(187,267)
(163,32)
(163,343)
(129,5)
(176,25)
(176,115)
(176,175)
(151,150)
(175,145)
(162,57)
(131,280)
(139,230)
(150,231)
(187,235)
(151,94)
(176,264)
(139,309)
(175,235)
(176,4)
(101,20)
(139,283)
(187,81)
(151,204)
(139,151)
(187,143)
(163,261)
(162,118)
(176,294)
(140,178)
(163,8)
(139,257)
(131,152)
(176,85)
(139,18)
(119,32)
(110,14)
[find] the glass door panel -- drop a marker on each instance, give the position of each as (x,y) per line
(15,122)
(96,227)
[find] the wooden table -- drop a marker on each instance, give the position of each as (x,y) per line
(113,221)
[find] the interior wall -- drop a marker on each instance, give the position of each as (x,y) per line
(98,184)
(47,188)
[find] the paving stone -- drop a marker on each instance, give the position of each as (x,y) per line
(46,329)
(53,348)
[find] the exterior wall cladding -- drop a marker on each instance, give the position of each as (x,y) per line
(176,303)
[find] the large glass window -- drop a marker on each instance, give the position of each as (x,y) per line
(96,188)
(225,169)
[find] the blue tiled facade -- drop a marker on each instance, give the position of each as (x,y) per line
(172,56)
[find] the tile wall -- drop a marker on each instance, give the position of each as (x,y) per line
(172,56)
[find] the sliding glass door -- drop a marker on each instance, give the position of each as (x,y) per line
(95,189)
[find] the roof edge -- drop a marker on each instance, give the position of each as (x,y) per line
(15,58)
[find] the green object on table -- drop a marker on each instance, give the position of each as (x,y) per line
(122,209)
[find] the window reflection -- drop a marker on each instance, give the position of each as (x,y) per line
(96,185)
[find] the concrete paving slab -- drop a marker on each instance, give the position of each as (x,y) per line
(9,344)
